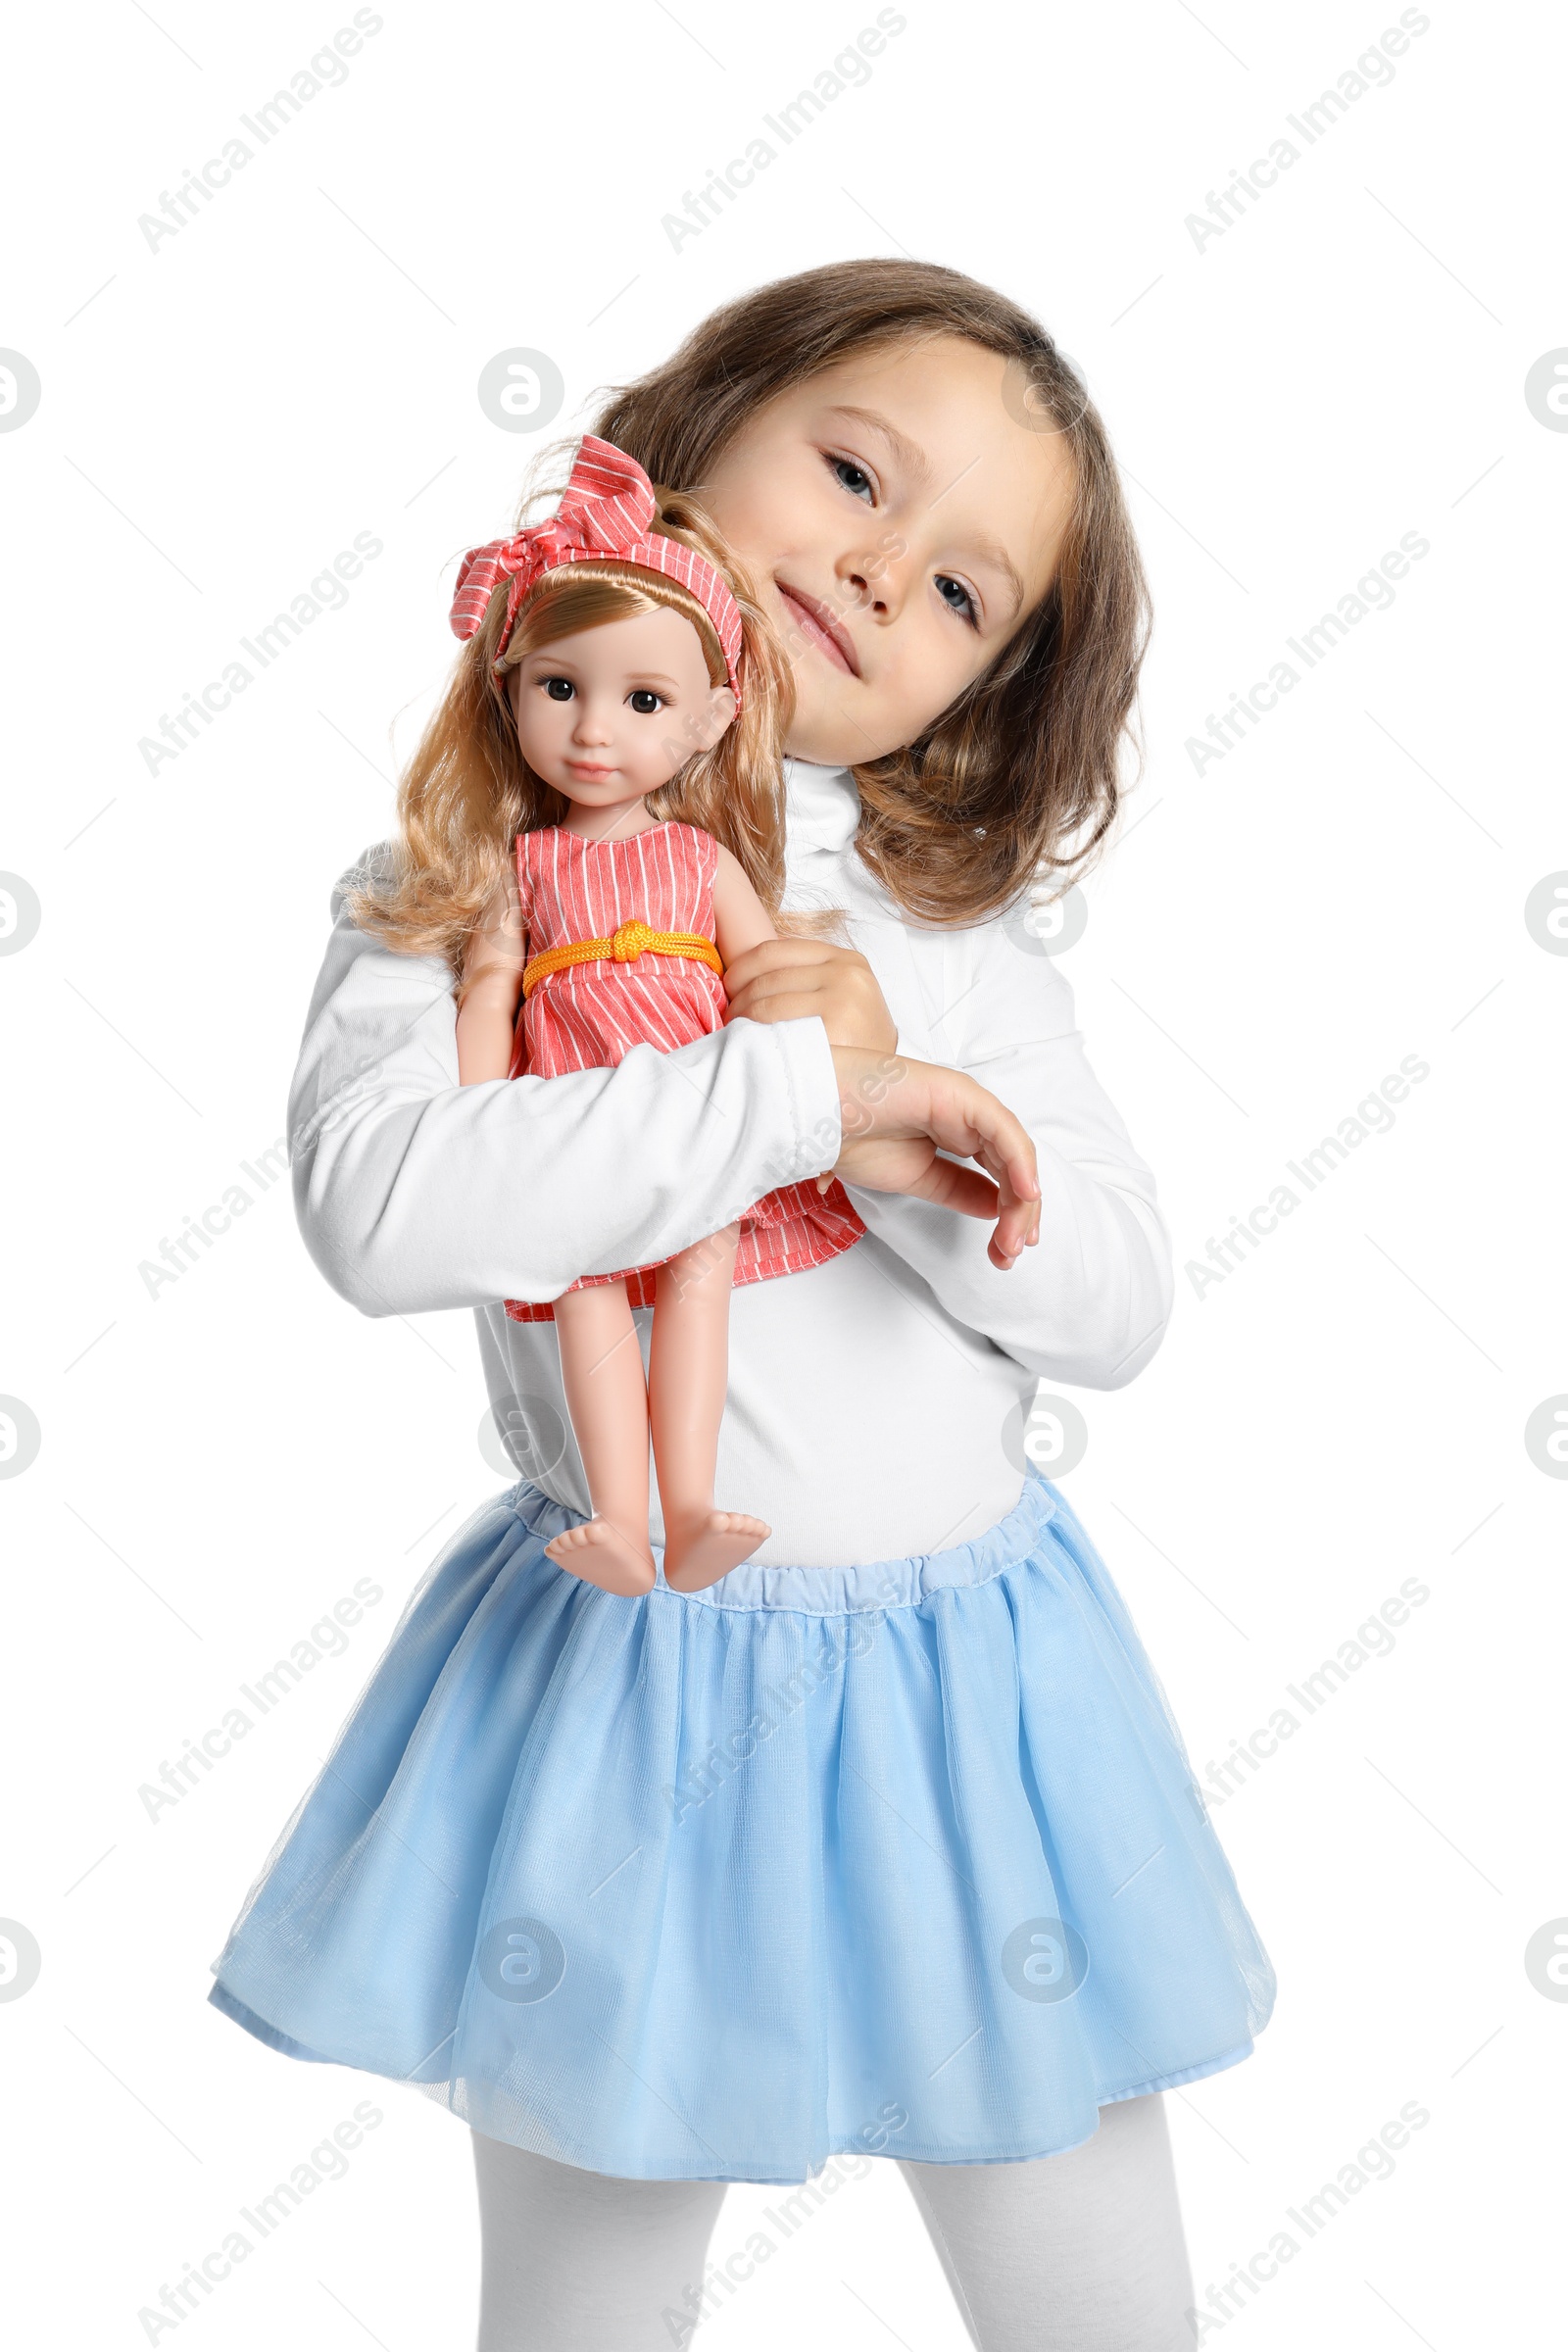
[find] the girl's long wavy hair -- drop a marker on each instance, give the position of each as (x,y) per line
(1015,786)
(468,792)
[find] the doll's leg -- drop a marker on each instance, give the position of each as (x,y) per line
(688,1372)
(602,1372)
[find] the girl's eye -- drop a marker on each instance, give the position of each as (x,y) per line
(645,702)
(956,596)
(560,690)
(852,477)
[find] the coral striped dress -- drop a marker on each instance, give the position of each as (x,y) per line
(589,1015)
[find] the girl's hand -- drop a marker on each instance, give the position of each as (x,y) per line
(898,1115)
(789,979)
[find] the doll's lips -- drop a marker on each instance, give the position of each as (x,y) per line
(819,627)
(588,767)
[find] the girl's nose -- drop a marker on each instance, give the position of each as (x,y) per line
(874,579)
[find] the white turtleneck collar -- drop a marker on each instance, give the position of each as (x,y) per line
(821,808)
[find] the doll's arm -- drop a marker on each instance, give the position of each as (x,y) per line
(491,988)
(414,1192)
(740,920)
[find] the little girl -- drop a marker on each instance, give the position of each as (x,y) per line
(885,1841)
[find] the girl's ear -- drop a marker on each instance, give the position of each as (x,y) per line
(715,715)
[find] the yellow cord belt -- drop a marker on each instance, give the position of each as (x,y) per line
(632,940)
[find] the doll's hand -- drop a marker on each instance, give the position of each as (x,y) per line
(789,979)
(899,1116)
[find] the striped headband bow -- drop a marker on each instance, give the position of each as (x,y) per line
(604,511)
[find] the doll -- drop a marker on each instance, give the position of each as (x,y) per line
(628,664)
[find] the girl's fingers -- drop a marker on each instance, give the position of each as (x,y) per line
(1003,1146)
(949,1184)
(1017,1225)
(1010,1176)
(795,979)
(888,1099)
(994,1136)
(1017,1221)
(952,1185)
(760,1002)
(1012,1146)
(771,956)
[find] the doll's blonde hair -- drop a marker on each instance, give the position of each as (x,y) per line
(468,792)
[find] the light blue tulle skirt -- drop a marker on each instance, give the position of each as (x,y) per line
(905,1858)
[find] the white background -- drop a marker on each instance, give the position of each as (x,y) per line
(219,1463)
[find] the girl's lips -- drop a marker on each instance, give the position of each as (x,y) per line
(818,627)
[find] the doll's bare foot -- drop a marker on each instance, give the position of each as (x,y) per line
(602,1555)
(709,1547)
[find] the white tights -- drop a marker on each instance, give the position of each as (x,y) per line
(1075,2253)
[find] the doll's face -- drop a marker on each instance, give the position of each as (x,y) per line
(902,523)
(608,715)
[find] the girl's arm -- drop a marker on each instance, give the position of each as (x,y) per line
(491,989)
(1090,1303)
(414,1192)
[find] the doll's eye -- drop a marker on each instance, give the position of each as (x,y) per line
(852,477)
(956,596)
(560,690)
(645,702)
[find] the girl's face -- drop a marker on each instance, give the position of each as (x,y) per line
(608,714)
(902,523)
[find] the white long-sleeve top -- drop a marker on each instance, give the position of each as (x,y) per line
(868,1396)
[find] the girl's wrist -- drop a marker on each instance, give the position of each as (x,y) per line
(864,1079)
